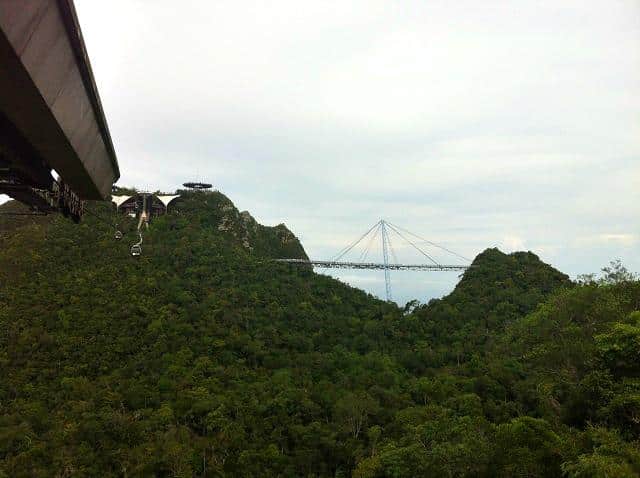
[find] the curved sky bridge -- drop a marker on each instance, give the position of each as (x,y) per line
(375,265)
(381,231)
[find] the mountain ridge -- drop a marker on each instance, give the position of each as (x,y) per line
(202,357)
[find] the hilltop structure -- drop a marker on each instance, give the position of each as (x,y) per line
(198,186)
(144,204)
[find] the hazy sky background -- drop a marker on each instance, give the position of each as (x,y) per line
(475,124)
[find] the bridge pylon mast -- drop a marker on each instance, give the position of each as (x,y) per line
(385,256)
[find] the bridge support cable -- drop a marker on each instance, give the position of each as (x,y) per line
(430,242)
(412,244)
(391,249)
(365,253)
(346,250)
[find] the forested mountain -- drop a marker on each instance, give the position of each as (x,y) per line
(203,358)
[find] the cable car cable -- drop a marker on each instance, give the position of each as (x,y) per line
(106,221)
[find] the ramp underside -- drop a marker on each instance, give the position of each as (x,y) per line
(49,103)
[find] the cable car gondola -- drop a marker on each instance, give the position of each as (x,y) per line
(136,249)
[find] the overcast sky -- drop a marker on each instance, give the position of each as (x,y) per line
(474,124)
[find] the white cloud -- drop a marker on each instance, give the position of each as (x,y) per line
(512,243)
(622,239)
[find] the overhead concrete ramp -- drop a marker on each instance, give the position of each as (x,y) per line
(51,117)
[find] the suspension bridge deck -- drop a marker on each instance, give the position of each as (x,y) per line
(373,265)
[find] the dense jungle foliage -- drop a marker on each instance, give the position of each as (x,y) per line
(202,358)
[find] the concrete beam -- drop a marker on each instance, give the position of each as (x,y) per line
(48,93)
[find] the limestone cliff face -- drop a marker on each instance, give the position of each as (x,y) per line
(215,209)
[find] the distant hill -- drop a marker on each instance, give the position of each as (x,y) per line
(202,357)
(497,289)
